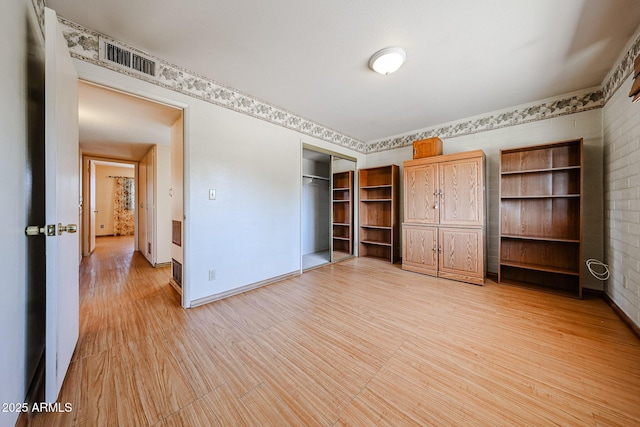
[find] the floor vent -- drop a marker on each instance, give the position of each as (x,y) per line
(176,272)
(126,58)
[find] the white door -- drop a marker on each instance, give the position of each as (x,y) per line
(61,206)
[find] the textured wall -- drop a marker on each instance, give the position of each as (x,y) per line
(621,120)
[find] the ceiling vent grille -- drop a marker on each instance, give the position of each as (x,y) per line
(126,58)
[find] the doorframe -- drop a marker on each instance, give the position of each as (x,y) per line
(86,197)
(103,78)
(354,211)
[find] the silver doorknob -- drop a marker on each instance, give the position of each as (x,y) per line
(35,230)
(71,228)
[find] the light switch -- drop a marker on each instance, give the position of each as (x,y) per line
(212,194)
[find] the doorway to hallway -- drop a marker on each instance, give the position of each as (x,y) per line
(133,146)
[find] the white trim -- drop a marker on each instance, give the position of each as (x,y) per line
(103,79)
(242,289)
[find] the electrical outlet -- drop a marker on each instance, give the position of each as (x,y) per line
(212,275)
(101,225)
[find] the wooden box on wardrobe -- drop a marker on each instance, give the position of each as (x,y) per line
(427,147)
(443,233)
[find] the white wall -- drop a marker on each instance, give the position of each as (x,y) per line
(13,173)
(146,203)
(587,125)
(177,183)
(622,200)
(316,216)
(251,232)
(163,204)
(154,204)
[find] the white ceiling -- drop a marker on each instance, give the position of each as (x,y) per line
(464,57)
(117,125)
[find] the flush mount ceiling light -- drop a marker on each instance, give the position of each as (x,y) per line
(387,60)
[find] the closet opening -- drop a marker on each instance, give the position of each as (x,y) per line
(327,207)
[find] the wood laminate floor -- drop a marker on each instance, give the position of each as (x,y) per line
(360,342)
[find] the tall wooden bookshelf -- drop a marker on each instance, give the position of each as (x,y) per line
(378,205)
(342,202)
(541,217)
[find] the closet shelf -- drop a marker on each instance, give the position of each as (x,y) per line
(377,227)
(524,171)
(377,243)
(373,187)
(540,238)
(539,267)
(542,196)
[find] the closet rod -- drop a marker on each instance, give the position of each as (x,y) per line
(315,177)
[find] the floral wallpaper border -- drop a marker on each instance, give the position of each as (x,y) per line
(546,110)
(83,45)
(622,71)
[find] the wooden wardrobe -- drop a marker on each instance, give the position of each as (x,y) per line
(443,232)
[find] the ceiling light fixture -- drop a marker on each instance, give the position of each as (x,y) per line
(387,60)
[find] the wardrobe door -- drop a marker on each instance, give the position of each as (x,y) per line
(461,191)
(419,249)
(420,194)
(460,254)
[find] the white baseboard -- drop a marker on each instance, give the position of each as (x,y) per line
(236,291)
